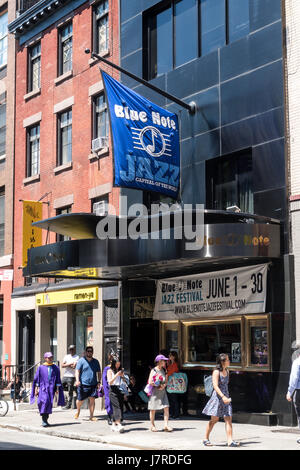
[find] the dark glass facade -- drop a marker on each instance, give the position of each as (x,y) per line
(232,68)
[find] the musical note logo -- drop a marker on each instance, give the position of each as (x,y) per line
(152,141)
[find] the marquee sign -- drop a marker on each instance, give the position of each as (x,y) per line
(229,292)
(145,141)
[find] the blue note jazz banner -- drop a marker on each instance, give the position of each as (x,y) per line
(145,141)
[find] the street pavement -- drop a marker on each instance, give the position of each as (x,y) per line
(188,432)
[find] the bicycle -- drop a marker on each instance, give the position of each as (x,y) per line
(3,403)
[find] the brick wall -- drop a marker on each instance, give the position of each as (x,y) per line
(292,8)
(85,173)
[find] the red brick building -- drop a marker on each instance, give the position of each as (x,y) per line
(60,116)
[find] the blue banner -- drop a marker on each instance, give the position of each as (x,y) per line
(145,141)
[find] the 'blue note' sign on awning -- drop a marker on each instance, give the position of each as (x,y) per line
(145,141)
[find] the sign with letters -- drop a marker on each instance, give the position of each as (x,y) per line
(229,292)
(32,236)
(145,141)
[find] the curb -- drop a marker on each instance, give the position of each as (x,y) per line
(76,436)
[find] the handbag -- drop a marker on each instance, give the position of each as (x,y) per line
(208,385)
(100,391)
(177,383)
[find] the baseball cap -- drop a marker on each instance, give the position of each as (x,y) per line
(72,346)
(161,357)
(48,354)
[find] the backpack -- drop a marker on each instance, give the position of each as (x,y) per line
(208,385)
(177,383)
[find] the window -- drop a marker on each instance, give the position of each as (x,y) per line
(181,30)
(63,210)
(65,49)
(34,67)
(169,336)
(258,351)
(100,205)
(172,34)
(101,27)
(100,117)
(2,124)
(82,320)
(33,151)
(2,221)
(3,39)
(213,21)
(206,341)
(229,182)
(65,137)
(238,19)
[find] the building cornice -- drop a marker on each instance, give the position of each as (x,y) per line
(34,15)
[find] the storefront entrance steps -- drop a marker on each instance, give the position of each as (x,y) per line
(263,419)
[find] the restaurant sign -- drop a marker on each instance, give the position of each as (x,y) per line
(229,292)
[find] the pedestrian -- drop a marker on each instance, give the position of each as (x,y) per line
(87,381)
(17,391)
(115,377)
(46,383)
(219,404)
(107,403)
(293,393)
(172,367)
(158,399)
(68,380)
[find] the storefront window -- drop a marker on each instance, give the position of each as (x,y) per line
(82,326)
(53,333)
(258,351)
(170,336)
(206,341)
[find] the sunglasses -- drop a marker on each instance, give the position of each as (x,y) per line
(89,351)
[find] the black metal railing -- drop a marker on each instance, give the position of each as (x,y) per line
(25,372)
(23,5)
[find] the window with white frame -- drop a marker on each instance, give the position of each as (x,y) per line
(2,124)
(2,220)
(3,39)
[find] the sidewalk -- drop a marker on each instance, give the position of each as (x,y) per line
(187,435)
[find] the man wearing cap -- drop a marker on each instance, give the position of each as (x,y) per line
(293,392)
(46,383)
(68,380)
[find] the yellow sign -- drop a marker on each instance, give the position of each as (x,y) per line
(67,296)
(32,236)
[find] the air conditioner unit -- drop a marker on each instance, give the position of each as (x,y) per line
(99,143)
(100,208)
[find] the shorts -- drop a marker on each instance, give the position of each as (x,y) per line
(86,391)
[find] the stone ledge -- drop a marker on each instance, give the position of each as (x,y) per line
(262,419)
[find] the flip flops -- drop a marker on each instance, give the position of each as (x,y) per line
(234,444)
(207,443)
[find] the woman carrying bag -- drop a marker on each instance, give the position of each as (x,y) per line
(219,405)
(115,379)
(158,399)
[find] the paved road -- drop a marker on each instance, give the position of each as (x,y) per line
(17,440)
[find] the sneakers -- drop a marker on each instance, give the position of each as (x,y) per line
(117,428)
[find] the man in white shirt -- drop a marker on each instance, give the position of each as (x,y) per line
(68,380)
(293,392)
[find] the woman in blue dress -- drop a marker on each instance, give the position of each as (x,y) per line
(219,405)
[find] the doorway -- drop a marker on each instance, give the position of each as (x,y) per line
(26,340)
(144,348)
